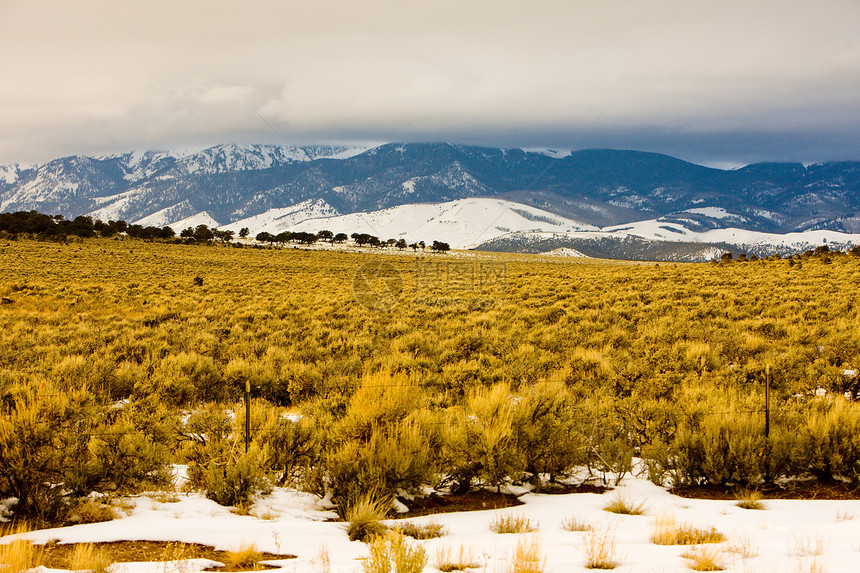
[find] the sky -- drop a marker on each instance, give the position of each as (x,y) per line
(722,83)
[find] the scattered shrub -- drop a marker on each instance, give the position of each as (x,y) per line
(574,523)
(365,515)
(704,559)
(391,553)
(480,439)
(425,530)
(89,510)
(88,557)
(528,555)
(743,547)
(547,431)
(720,450)
(235,482)
(621,503)
(512,523)
(448,559)
(667,531)
(246,556)
(600,551)
(749,499)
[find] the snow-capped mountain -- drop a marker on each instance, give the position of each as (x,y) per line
(647,196)
(463,223)
(275,221)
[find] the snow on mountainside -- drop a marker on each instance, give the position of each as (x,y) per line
(170,216)
(463,223)
(225,158)
(9,173)
(203,218)
(656,229)
(275,221)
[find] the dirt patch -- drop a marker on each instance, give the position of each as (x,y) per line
(471,501)
(58,555)
(560,488)
(483,499)
(812,490)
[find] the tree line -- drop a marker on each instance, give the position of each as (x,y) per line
(360,239)
(57,227)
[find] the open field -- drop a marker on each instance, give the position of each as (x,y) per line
(383,375)
(127,305)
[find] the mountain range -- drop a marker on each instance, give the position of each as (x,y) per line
(600,202)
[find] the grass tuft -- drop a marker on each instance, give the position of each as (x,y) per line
(574,523)
(749,499)
(743,547)
(512,523)
(246,556)
(87,557)
(426,530)
(845,515)
(704,559)
(667,531)
(91,511)
(20,555)
(806,545)
(622,504)
(810,566)
(448,559)
(528,555)
(391,553)
(365,517)
(600,550)
(322,562)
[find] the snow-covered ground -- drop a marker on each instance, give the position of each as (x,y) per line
(463,223)
(467,223)
(784,536)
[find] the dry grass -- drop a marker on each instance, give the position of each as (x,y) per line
(391,553)
(667,531)
(704,559)
(20,555)
(845,515)
(808,546)
(813,565)
(322,561)
(743,547)
(749,499)
(600,550)
(60,556)
(512,523)
(622,504)
(425,530)
(246,556)
(574,523)
(92,511)
(364,516)
(88,557)
(528,555)
(448,559)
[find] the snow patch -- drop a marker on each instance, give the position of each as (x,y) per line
(713,212)
(565,252)
(298,523)
(554,153)
(275,221)
(201,218)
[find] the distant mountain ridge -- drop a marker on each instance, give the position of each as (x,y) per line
(226,184)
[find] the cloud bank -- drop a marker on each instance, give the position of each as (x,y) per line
(709,81)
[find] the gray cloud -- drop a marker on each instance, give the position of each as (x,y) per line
(712,81)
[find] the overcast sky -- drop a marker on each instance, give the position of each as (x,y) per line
(722,82)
